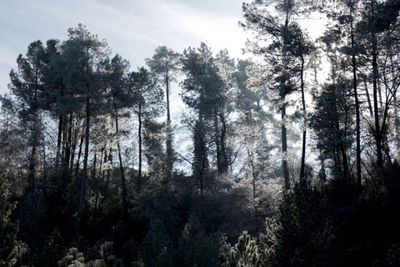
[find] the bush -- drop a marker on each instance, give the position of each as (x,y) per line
(8,229)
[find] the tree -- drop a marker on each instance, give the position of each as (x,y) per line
(203,92)
(345,15)
(147,95)
(85,65)
(165,65)
(27,89)
(121,100)
(272,22)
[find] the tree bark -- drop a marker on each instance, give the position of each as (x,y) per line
(121,167)
(285,167)
(60,123)
(86,157)
(378,136)
(357,105)
(170,159)
(140,147)
(303,150)
(79,154)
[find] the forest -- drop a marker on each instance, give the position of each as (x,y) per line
(288,158)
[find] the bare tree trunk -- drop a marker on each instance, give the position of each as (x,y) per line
(139,181)
(371,112)
(73,150)
(34,141)
(85,161)
(101,161)
(60,123)
(109,168)
(285,167)
(170,156)
(68,146)
(358,148)
(93,176)
(217,144)
(303,150)
(222,136)
(79,154)
(378,135)
(121,167)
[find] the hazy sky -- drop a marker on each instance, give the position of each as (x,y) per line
(132,28)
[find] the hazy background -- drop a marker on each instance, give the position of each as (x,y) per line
(132,28)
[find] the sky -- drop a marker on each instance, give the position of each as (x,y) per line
(132,28)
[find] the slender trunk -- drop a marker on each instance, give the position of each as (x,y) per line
(217,144)
(34,141)
(371,112)
(64,142)
(121,167)
(32,164)
(73,150)
(395,103)
(358,148)
(60,123)
(85,160)
(253,181)
(285,167)
(68,146)
(109,168)
(44,159)
(93,176)
(340,149)
(140,147)
(344,147)
(303,150)
(101,162)
(79,155)
(222,136)
(170,159)
(378,136)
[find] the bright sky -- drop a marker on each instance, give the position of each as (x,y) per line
(132,28)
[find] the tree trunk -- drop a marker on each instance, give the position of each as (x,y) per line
(378,136)
(358,148)
(371,112)
(73,150)
(121,167)
(79,154)
(222,136)
(34,141)
(60,123)
(303,150)
(86,157)
(139,181)
(93,176)
(68,147)
(217,144)
(170,156)
(285,167)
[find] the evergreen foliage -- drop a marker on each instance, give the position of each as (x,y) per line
(96,171)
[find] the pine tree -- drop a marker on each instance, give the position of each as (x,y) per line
(273,23)
(85,60)
(146,95)
(27,90)
(165,65)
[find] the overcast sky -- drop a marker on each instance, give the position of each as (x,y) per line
(132,28)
